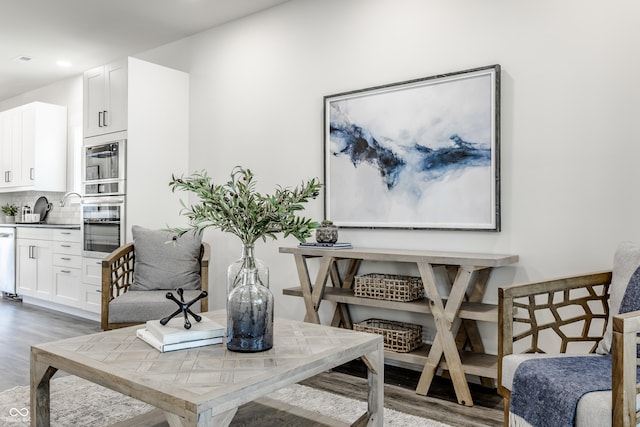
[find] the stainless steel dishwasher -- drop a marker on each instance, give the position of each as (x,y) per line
(8,260)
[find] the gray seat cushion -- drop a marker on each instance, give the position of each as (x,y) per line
(140,306)
(165,261)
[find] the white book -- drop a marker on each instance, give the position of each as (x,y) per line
(147,337)
(174,331)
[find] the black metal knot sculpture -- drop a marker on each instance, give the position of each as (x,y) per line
(183,307)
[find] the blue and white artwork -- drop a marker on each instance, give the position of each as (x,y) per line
(422,154)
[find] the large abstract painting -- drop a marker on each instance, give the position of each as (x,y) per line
(418,154)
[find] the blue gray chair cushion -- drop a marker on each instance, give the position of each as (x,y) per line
(594,408)
(164,261)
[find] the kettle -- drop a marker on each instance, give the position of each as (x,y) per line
(26,210)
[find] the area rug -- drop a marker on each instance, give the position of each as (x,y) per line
(76,402)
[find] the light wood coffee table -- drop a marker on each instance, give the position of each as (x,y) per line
(205,386)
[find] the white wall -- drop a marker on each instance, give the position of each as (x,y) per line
(570,105)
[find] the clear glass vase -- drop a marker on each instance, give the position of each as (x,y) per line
(246,260)
(250,314)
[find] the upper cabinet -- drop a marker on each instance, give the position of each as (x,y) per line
(33,145)
(150,103)
(105,99)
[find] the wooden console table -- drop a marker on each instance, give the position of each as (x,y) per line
(455,318)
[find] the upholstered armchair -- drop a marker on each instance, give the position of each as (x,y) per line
(542,322)
(137,276)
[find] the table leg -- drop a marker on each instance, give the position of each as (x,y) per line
(324,271)
(341,316)
(40,403)
(447,323)
(469,328)
(305,284)
(375,400)
(313,295)
(204,419)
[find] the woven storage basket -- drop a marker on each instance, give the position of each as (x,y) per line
(398,336)
(389,287)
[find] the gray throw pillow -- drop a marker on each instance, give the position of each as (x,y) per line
(165,261)
(625,263)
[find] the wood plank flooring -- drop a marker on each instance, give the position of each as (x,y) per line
(24,325)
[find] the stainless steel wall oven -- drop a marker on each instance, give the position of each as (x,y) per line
(104,166)
(103,188)
(103,225)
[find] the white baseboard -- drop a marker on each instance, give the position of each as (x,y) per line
(73,311)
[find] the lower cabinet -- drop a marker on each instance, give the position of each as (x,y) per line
(49,267)
(34,267)
(66,267)
(92,284)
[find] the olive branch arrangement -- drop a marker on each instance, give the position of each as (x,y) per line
(236,207)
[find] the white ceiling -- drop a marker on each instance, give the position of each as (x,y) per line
(89,33)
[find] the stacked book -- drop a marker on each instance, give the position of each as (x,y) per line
(173,335)
(337,245)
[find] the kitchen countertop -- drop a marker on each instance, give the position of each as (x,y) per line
(39,225)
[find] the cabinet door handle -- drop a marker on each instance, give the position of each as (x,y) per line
(65,232)
(66,246)
(7,176)
(65,258)
(65,271)
(104,118)
(32,252)
(32,174)
(99,291)
(100,119)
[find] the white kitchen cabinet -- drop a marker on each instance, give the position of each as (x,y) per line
(92,284)
(10,140)
(105,99)
(33,138)
(67,263)
(34,263)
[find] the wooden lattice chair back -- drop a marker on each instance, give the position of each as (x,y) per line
(121,266)
(558,316)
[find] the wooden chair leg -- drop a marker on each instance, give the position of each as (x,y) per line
(505,403)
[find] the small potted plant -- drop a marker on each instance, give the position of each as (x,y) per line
(9,210)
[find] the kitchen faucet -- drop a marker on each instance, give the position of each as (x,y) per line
(66,196)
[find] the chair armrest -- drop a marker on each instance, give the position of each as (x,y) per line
(547,311)
(205,255)
(624,360)
(117,276)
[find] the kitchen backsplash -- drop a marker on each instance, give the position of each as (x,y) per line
(69,214)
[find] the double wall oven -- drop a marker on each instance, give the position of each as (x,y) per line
(103,202)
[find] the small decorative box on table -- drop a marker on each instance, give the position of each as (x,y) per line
(398,336)
(388,287)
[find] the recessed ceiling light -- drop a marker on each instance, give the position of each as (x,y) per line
(22,58)
(63,63)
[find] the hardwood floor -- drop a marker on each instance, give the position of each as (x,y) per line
(24,325)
